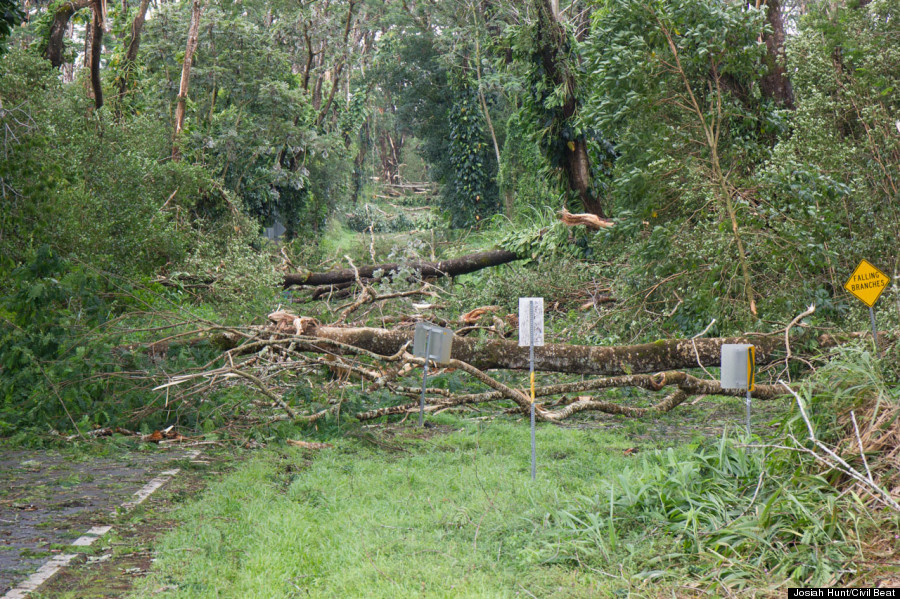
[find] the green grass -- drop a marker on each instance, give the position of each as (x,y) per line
(455,515)
(339,240)
(388,512)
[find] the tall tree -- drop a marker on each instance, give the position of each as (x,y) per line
(658,75)
(96,49)
(557,60)
(55,44)
(776,85)
(131,49)
(196,10)
(335,74)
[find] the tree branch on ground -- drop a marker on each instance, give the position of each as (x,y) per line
(444,268)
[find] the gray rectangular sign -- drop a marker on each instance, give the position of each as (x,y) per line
(438,340)
(737,366)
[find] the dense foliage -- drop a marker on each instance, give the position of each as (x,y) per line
(729,202)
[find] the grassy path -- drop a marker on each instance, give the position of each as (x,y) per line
(453,514)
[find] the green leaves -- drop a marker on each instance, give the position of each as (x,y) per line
(10,16)
(470,193)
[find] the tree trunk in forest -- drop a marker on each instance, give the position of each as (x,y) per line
(193,31)
(553,43)
(57,36)
(389,150)
(96,51)
(359,162)
(578,173)
(444,268)
(68,68)
(507,191)
(131,49)
(317,92)
(776,85)
(336,80)
(310,55)
(86,65)
(669,354)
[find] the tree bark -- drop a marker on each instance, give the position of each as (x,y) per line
(686,384)
(454,267)
(57,37)
(776,85)
(669,354)
(553,45)
(578,173)
(193,31)
(310,55)
(132,49)
(336,80)
(96,51)
(359,162)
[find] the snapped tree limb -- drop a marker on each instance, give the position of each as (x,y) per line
(591,221)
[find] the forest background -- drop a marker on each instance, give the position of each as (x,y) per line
(747,155)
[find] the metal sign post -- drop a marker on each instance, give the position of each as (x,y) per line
(432,343)
(874,329)
(424,380)
(867,283)
(531,332)
(749,400)
(531,370)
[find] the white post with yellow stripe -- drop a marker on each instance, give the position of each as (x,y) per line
(739,370)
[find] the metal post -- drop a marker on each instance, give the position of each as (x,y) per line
(531,365)
(874,331)
(748,412)
(424,379)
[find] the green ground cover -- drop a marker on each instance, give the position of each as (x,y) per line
(392,511)
(453,514)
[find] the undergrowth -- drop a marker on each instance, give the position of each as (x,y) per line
(760,515)
(719,515)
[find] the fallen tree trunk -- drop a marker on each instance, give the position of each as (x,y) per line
(327,290)
(668,354)
(444,268)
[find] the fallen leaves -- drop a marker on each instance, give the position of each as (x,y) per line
(169,434)
(473,316)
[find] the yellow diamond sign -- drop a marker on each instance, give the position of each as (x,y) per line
(867,283)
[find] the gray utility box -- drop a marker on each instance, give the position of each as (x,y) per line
(438,340)
(738,366)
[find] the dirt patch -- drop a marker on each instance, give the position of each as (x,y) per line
(50,498)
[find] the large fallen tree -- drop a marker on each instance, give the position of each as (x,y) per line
(270,358)
(666,354)
(266,356)
(443,268)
